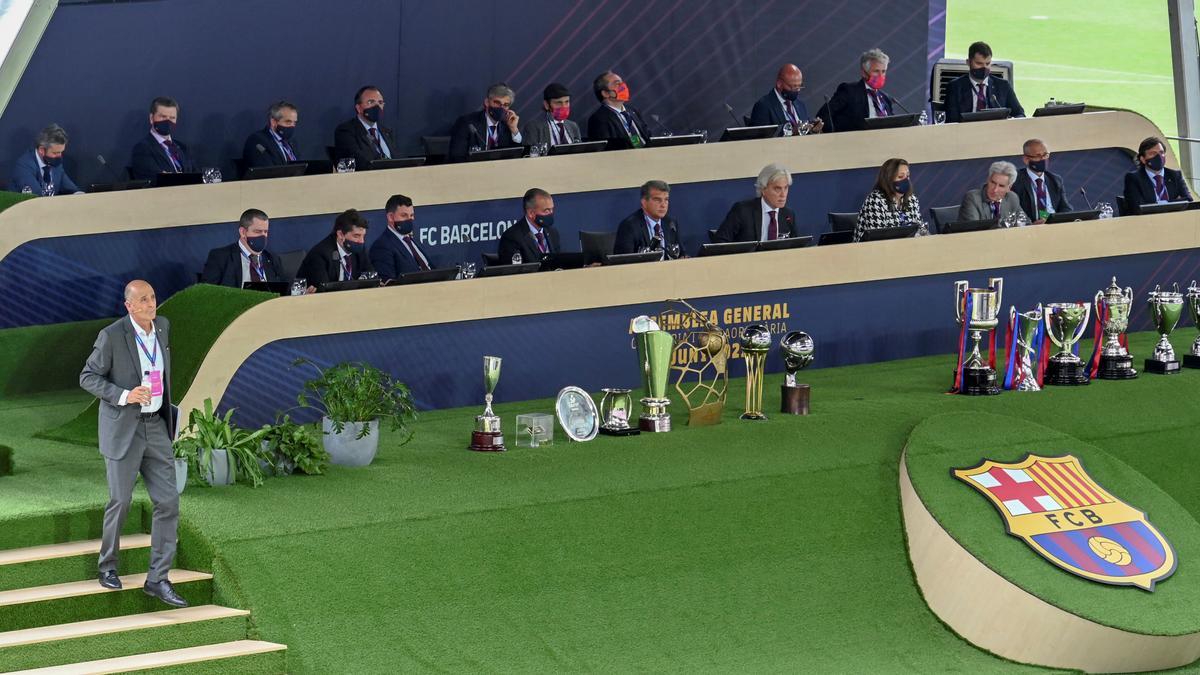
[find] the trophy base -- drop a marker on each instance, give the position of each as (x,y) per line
(706,415)
(487,441)
(655,425)
(753,416)
(1066,374)
(626,431)
(1162,367)
(1116,368)
(979,382)
(1191,361)
(794,400)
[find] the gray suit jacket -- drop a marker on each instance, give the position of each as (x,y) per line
(973,207)
(113,368)
(537,130)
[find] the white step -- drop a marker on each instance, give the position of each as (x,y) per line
(90,587)
(116,624)
(174,657)
(68,549)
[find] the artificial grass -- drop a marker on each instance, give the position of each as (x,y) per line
(70,524)
(58,570)
(8,199)
(269,663)
(6,460)
(961,440)
(130,600)
(24,370)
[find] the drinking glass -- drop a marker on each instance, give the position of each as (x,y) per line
(211,175)
(345,165)
(516,259)
(299,286)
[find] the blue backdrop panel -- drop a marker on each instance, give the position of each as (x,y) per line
(851,323)
(99,64)
(83,276)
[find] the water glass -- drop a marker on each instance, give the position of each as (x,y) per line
(703,133)
(345,165)
(48,190)
(516,259)
(211,175)
(939,117)
(368,275)
(803,127)
(299,286)
(1105,209)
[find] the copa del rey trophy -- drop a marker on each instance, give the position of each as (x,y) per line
(978,311)
(1111,359)
(487,436)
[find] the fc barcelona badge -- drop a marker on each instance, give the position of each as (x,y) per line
(1062,513)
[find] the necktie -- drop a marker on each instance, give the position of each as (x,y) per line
(412,249)
(255,269)
(658,232)
(347,269)
(995,210)
(375,140)
(635,138)
(791,113)
(1160,188)
(980,98)
(772,227)
(173,155)
(879,111)
(562,134)
(1041,194)
(46,176)
(287,150)
(541,240)
(492,137)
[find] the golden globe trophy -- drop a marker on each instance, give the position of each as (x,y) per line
(756,342)
(487,436)
(797,348)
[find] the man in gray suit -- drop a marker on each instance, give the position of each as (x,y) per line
(129,370)
(995,200)
(552,128)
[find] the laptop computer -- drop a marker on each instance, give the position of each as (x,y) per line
(425,276)
(747,133)
(891,121)
(352,285)
(173,179)
(505,270)
(396,163)
(785,243)
(316,167)
(1169,207)
(627,258)
(577,148)
(1072,216)
(116,187)
(668,141)
(563,260)
(968,226)
(1062,109)
(727,247)
(281,171)
(498,153)
(986,115)
(835,237)
(277,287)
(885,233)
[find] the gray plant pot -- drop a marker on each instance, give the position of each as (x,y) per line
(220,471)
(346,449)
(181,473)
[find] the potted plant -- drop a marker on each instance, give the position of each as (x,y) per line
(218,453)
(353,399)
(291,446)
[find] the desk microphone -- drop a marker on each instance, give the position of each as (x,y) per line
(1085,198)
(736,121)
(897,102)
(829,109)
(475,133)
(109,169)
(662,126)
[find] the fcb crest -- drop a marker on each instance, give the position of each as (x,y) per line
(1063,514)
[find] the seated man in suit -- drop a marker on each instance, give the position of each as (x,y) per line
(246,259)
(342,256)
(1041,193)
(1152,182)
(979,89)
(650,228)
(765,217)
(553,128)
(492,128)
(995,200)
(782,105)
(363,139)
(615,120)
(159,152)
(272,145)
(40,171)
(396,251)
(861,99)
(533,237)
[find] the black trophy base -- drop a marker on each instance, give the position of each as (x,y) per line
(1191,361)
(979,382)
(1162,367)
(627,431)
(1116,368)
(1066,374)
(794,400)
(487,441)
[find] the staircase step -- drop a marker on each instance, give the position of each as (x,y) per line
(57,527)
(75,589)
(174,657)
(85,600)
(70,549)
(51,563)
(117,624)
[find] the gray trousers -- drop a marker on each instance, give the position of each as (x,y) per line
(149,454)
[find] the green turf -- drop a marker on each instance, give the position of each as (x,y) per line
(56,570)
(23,372)
(257,664)
(7,199)
(6,460)
(131,600)
(961,440)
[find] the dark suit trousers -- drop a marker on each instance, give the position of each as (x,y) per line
(151,455)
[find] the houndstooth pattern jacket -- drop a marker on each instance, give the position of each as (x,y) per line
(877,213)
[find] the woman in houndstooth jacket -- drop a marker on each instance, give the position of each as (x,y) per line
(892,203)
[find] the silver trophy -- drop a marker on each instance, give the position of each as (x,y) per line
(1165,309)
(978,377)
(487,436)
(616,408)
(1115,361)
(1066,322)
(1192,360)
(1026,324)
(797,348)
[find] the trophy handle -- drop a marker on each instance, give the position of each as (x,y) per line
(1083,325)
(960,287)
(1049,330)
(1129,295)
(997,284)
(1096,301)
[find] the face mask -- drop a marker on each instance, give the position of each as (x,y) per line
(353,246)
(285,132)
(373,113)
(876,82)
(257,244)
(544,221)
(1038,165)
(1155,163)
(560,114)
(902,186)
(498,114)
(980,74)
(622,92)
(52,161)
(404,226)
(164,127)
(789,95)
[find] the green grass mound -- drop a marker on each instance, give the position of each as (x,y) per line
(6,460)
(961,440)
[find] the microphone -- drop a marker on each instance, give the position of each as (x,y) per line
(897,102)
(662,126)
(1085,198)
(109,169)
(729,109)
(475,133)
(829,110)
(992,98)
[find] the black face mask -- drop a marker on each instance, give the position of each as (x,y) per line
(980,74)
(285,132)
(544,221)
(164,127)
(1156,163)
(405,226)
(52,161)
(257,244)
(789,95)
(498,114)
(373,113)
(353,246)
(1038,165)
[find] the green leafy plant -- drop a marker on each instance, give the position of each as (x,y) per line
(296,443)
(206,431)
(358,392)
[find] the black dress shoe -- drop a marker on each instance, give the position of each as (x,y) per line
(163,590)
(110,580)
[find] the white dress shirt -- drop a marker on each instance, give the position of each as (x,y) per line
(987,93)
(1151,175)
(1034,178)
(162,143)
(387,152)
(150,342)
(492,128)
(766,220)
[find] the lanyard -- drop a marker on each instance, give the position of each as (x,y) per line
(152,358)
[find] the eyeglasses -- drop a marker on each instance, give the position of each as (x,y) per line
(1044,155)
(371,102)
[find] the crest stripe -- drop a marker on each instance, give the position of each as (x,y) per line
(1056,469)
(1080,539)
(1080,486)
(1055,486)
(1142,541)
(1062,548)
(1086,483)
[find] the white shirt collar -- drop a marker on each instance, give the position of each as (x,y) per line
(366,124)
(1152,173)
(141,333)
(533,229)
(245,249)
(782,102)
(1033,174)
(399,236)
(614,108)
(342,252)
(765,206)
(41,163)
(159,137)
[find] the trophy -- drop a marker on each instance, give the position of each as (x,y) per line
(1066,322)
(1165,309)
(1192,360)
(704,353)
(487,436)
(977,310)
(797,348)
(1112,307)
(654,349)
(577,414)
(756,342)
(615,408)
(1027,342)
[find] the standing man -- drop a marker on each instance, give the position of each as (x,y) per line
(854,102)
(129,370)
(534,236)
(1152,182)
(782,105)
(272,146)
(615,120)
(363,139)
(342,256)
(765,217)
(246,259)
(1041,193)
(159,152)
(396,251)
(995,200)
(979,89)
(553,128)
(494,127)
(41,169)
(650,228)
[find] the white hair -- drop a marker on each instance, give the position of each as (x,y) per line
(870,55)
(1005,168)
(769,174)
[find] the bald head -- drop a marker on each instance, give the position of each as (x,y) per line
(789,79)
(140,302)
(136,287)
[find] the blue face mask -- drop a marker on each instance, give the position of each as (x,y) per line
(1156,163)
(405,226)
(52,161)
(1038,165)
(498,114)
(164,127)
(353,246)
(544,221)
(902,186)
(257,244)
(285,132)
(373,113)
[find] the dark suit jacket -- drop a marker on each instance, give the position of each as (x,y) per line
(537,130)
(605,125)
(1139,189)
(224,267)
(150,159)
(461,138)
(517,239)
(252,158)
(960,93)
(847,108)
(632,235)
(27,174)
(351,140)
(322,263)
(1027,192)
(744,222)
(768,110)
(390,257)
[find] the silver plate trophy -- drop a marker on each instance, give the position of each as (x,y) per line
(1192,360)
(1066,322)
(978,311)
(487,436)
(1165,309)
(1026,324)
(1114,304)
(797,348)
(616,407)
(577,414)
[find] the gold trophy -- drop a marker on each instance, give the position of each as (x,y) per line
(487,436)
(756,342)
(705,353)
